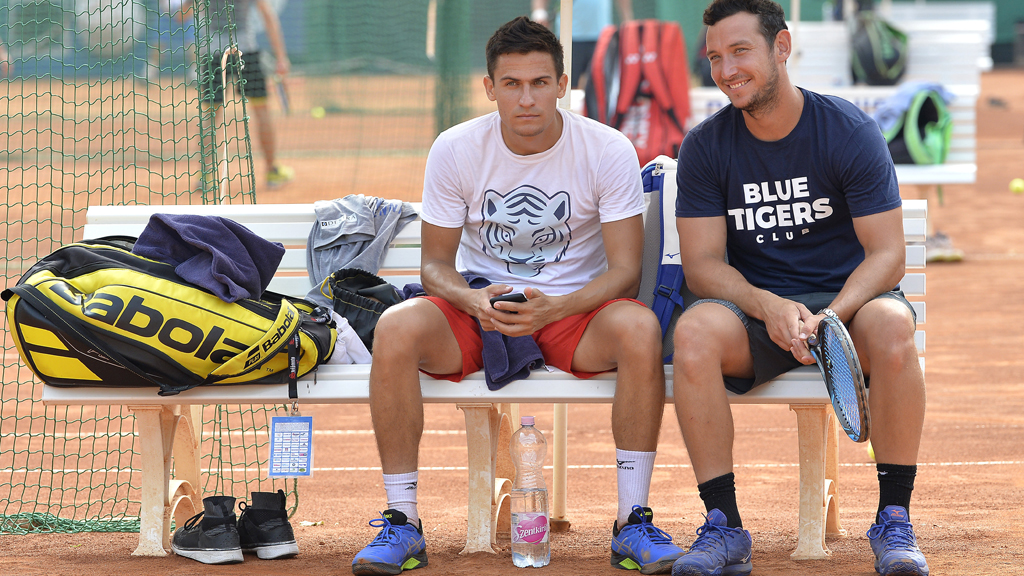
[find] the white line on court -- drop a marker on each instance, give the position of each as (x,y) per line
(463,468)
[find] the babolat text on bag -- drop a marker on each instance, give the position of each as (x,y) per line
(95,313)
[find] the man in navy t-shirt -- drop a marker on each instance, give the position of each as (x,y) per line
(788,210)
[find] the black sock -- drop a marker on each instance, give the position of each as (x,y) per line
(721,493)
(895,484)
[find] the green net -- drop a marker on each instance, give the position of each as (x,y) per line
(114,102)
(101,102)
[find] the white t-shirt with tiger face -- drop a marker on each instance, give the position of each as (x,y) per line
(532,221)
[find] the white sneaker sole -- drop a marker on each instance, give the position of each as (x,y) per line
(211,556)
(272,551)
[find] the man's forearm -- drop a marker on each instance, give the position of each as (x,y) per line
(877,274)
(717,279)
(446,282)
(610,285)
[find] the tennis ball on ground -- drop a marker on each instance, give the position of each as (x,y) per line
(1017,185)
(317,112)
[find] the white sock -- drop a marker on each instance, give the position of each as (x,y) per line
(634,479)
(401,491)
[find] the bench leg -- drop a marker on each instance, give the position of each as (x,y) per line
(185,497)
(812,426)
(165,433)
(559,523)
(155,425)
(832,525)
(484,424)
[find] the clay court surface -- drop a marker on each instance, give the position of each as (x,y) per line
(968,498)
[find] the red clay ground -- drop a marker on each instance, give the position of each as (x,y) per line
(967,503)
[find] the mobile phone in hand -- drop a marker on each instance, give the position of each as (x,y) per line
(511,297)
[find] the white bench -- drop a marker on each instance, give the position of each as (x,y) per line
(167,425)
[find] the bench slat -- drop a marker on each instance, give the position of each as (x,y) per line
(348,384)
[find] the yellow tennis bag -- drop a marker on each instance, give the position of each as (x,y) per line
(94,313)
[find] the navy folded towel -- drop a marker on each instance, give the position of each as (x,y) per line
(506,358)
(215,253)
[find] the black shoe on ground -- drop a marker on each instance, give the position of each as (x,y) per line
(211,536)
(263,527)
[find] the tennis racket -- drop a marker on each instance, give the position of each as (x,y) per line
(837,360)
(282,95)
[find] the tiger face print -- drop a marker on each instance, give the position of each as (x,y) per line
(526,228)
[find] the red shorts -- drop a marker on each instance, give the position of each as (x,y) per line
(557,341)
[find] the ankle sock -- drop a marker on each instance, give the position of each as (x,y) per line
(895,484)
(401,493)
(720,493)
(634,471)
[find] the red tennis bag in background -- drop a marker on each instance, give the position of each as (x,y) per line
(639,83)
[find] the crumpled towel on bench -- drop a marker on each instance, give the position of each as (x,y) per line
(506,358)
(215,253)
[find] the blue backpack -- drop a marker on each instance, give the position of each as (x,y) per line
(661,282)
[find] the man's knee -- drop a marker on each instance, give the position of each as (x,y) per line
(884,330)
(636,326)
(708,335)
(402,327)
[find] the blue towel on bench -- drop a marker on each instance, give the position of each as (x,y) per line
(216,253)
(891,110)
(506,358)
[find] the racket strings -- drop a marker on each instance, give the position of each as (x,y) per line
(836,362)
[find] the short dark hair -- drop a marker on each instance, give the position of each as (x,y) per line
(769,14)
(522,36)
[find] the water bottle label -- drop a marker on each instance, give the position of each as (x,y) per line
(529,527)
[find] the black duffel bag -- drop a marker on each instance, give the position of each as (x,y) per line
(361,297)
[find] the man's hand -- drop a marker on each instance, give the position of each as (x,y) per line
(789,323)
(800,349)
(529,316)
(284,66)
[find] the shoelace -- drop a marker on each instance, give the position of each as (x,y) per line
(191,522)
(709,535)
(387,535)
(895,535)
(655,534)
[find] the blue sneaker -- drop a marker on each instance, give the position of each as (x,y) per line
(718,550)
(639,545)
(895,545)
(398,546)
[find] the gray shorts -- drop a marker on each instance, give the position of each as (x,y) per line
(769,359)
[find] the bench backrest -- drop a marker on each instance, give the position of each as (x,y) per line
(950,52)
(705,101)
(945,11)
(290,224)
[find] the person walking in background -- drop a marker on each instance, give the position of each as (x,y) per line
(788,211)
(549,204)
(172,24)
(589,17)
(227,20)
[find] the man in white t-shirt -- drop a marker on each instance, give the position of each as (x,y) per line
(544,203)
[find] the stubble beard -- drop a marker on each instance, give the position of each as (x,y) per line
(765,100)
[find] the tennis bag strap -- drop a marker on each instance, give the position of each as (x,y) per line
(662,284)
(603,71)
(285,327)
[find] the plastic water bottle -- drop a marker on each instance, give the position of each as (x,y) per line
(530,524)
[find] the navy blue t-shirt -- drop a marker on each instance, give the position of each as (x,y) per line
(789,204)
